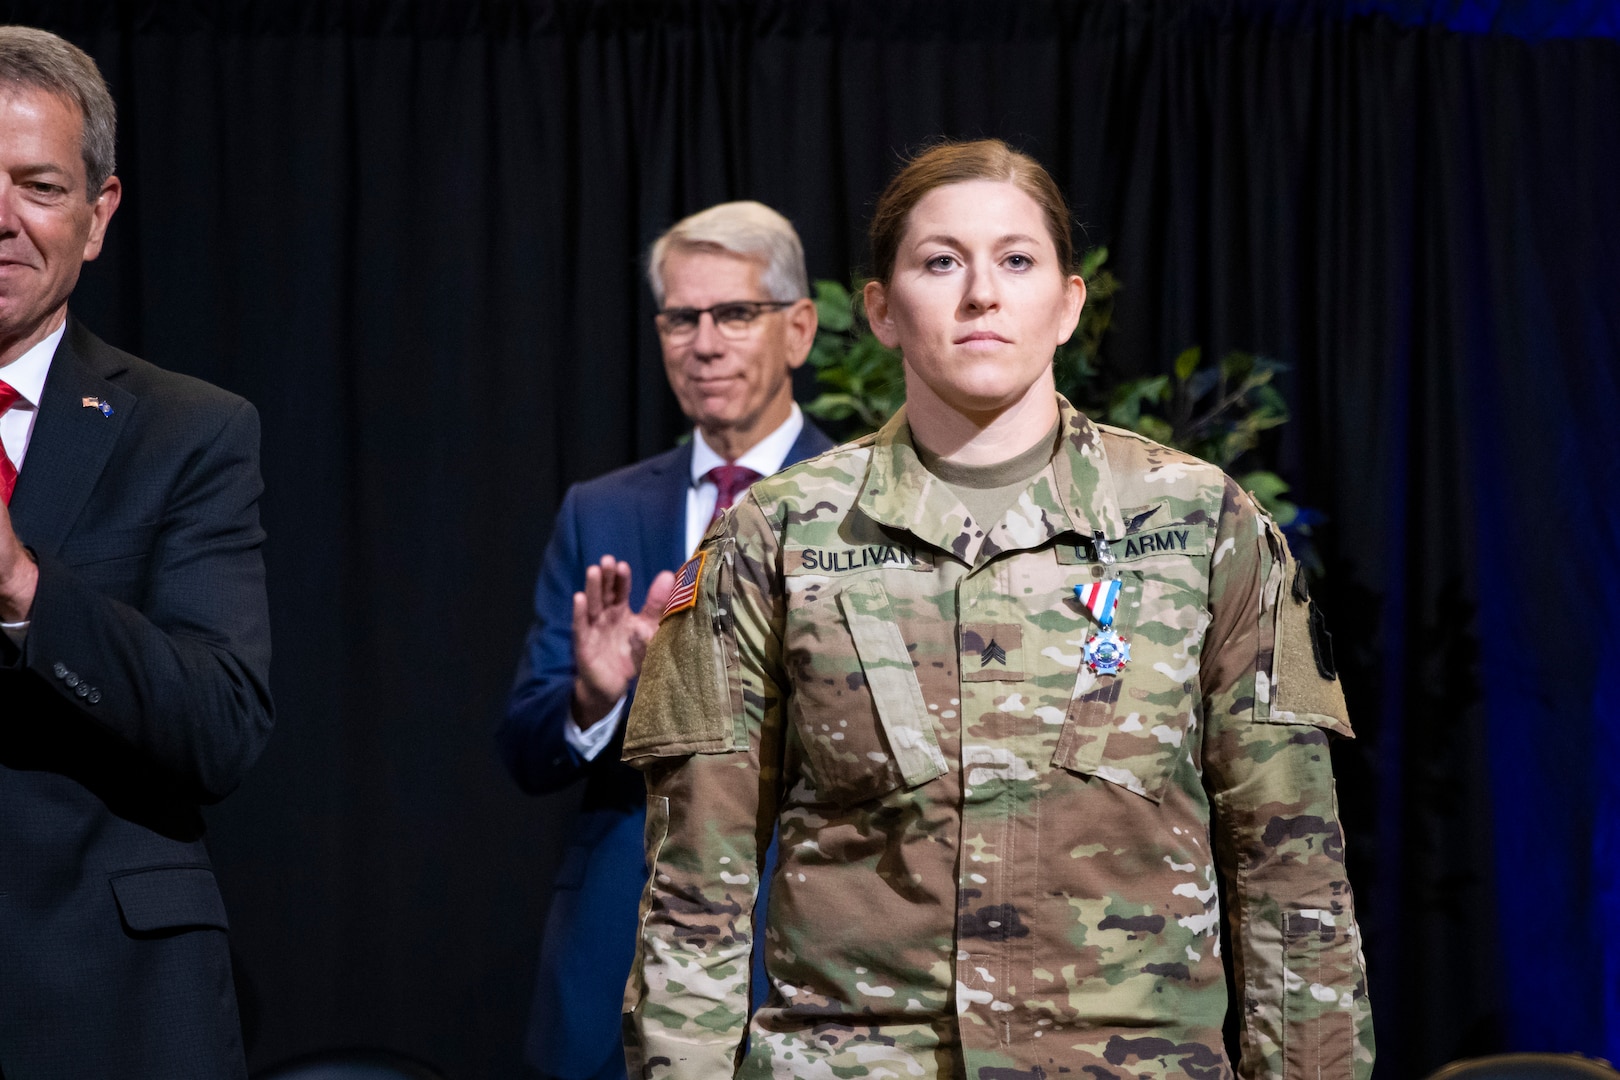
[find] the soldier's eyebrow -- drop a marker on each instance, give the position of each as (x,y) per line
(948,240)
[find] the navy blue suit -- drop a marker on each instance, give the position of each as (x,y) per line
(138,694)
(638,514)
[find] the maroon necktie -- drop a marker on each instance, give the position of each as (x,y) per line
(732,480)
(8,471)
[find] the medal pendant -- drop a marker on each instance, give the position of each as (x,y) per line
(1107,653)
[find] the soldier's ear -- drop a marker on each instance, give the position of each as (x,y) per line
(876,300)
(1074,298)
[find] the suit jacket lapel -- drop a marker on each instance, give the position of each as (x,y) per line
(811,441)
(71,442)
(663,522)
(663,512)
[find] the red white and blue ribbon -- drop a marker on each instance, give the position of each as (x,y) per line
(1106,652)
(1102,597)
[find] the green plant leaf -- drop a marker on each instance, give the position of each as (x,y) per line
(1129,397)
(1187,362)
(1263,484)
(835,311)
(1153,427)
(1200,382)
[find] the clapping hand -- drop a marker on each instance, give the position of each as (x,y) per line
(19,575)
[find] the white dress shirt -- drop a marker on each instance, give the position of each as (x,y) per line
(765,458)
(26,374)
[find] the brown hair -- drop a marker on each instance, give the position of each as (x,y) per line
(956,163)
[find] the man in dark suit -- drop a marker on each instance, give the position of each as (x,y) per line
(735,320)
(135,638)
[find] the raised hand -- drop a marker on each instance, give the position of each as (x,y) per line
(610,640)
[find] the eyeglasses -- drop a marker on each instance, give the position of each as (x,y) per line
(733,319)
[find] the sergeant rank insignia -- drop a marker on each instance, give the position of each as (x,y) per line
(1107,652)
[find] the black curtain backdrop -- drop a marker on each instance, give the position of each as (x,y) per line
(410,233)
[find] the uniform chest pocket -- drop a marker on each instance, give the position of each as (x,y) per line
(857,705)
(1133,728)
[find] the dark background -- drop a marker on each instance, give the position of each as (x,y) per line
(410,233)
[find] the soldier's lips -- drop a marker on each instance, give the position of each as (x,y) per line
(982,338)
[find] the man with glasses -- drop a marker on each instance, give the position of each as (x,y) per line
(734,321)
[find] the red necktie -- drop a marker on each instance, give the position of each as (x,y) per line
(732,480)
(8,471)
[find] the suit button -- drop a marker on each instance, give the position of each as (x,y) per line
(83,689)
(72,679)
(94,697)
(59,669)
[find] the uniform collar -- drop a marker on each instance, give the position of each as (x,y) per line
(1073,494)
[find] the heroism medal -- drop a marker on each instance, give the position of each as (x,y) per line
(1107,652)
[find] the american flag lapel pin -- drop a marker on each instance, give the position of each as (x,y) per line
(104,407)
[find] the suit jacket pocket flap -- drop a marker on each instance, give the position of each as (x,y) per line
(169,898)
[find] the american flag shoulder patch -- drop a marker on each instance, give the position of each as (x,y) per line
(686,585)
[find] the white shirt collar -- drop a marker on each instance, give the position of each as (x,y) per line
(764,457)
(27,373)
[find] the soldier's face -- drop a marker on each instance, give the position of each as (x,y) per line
(735,389)
(48,226)
(978,301)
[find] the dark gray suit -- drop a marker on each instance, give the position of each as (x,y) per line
(139,693)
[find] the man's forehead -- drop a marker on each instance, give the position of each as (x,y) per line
(699,276)
(43,100)
(41,115)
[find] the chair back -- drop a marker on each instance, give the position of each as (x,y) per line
(1527,1067)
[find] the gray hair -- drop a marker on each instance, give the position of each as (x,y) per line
(39,60)
(750,230)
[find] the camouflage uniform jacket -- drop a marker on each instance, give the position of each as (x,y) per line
(995,863)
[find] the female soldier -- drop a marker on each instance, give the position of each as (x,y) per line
(1023,694)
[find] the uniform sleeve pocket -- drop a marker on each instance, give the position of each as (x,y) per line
(1318,1032)
(169,898)
(689,697)
(1300,683)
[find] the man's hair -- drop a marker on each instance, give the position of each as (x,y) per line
(749,230)
(949,163)
(38,60)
